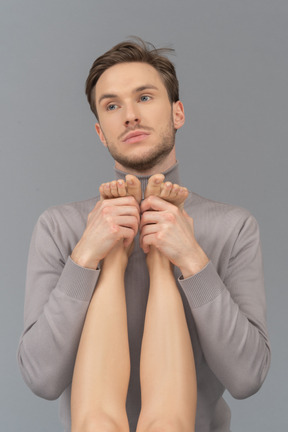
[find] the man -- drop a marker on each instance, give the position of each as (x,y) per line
(133,91)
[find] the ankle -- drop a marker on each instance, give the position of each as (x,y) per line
(116,260)
(158,263)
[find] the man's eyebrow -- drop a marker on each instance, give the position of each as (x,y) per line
(107,96)
(138,89)
(145,87)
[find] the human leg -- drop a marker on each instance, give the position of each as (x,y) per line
(102,368)
(167,369)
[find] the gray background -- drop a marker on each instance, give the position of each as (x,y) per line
(232,65)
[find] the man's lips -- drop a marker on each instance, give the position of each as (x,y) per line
(135,136)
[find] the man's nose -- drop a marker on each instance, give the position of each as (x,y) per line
(132,115)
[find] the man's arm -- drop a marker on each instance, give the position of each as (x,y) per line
(230,315)
(58,291)
(229,312)
(56,300)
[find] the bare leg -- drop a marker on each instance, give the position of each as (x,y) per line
(102,368)
(167,369)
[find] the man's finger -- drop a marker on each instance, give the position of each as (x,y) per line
(150,217)
(127,200)
(120,211)
(147,241)
(156,203)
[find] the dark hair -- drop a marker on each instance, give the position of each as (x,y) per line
(130,51)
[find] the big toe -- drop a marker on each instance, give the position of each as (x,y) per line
(134,187)
(154,185)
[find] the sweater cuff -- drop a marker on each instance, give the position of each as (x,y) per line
(203,287)
(78,282)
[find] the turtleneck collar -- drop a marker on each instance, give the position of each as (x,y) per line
(172,175)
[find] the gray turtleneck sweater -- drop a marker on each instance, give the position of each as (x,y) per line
(224,306)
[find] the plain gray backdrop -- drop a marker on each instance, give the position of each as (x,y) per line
(232,63)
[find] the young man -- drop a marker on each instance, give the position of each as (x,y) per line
(215,251)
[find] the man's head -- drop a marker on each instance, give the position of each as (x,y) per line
(140,52)
(137,107)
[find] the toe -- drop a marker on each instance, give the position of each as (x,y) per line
(154,185)
(174,192)
(166,190)
(134,187)
(114,189)
(102,193)
(182,194)
(107,191)
(121,188)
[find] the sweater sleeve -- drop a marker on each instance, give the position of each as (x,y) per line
(230,314)
(56,301)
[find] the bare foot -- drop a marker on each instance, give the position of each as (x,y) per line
(174,194)
(113,189)
(168,191)
(120,188)
(117,189)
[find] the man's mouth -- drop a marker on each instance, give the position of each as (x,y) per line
(135,136)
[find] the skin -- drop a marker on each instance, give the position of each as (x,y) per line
(168,386)
(147,110)
(140,103)
(131,99)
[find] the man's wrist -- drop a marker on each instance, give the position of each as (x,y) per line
(84,261)
(192,267)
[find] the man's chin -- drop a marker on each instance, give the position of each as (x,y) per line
(142,161)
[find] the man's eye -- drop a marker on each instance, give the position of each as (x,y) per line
(111,107)
(145,98)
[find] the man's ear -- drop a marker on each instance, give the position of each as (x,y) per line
(178,114)
(100,134)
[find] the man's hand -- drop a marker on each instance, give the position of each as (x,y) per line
(110,221)
(171,231)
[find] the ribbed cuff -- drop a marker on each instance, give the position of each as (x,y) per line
(78,282)
(203,287)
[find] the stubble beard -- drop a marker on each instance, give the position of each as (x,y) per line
(151,158)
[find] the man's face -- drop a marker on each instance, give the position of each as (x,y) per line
(136,119)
